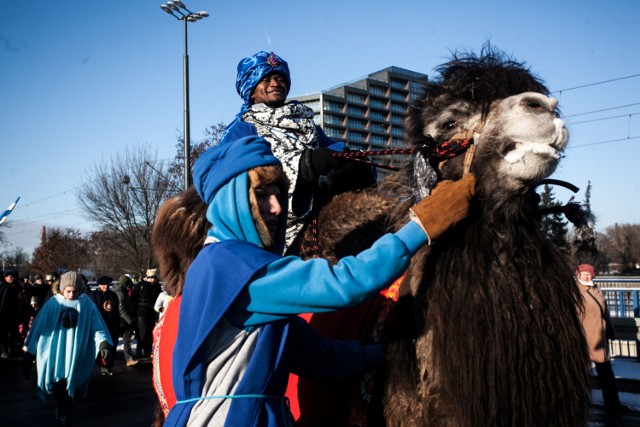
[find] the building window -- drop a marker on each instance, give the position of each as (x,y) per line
(398,84)
(355,123)
(333,106)
(377,115)
(397,119)
(377,127)
(377,103)
(398,108)
(314,105)
(378,90)
(356,111)
(398,96)
(356,136)
(333,119)
(332,132)
(397,142)
(416,87)
(396,131)
(378,140)
(356,97)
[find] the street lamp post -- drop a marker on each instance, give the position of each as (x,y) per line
(178,10)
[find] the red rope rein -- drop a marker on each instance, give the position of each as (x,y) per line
(446,150)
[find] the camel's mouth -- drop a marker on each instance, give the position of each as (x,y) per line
(515,151)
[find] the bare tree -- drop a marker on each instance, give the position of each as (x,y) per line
(212,136)
(16,259)
(122,198)
(621,244)
(62,250)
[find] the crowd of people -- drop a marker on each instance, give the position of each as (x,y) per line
(61,325)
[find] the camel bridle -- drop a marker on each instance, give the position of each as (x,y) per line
(462,142)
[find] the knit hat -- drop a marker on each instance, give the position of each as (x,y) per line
(124,280)
(152,272)
(70,278)
(216,166)
(587,268)
(104,280)
(253,68)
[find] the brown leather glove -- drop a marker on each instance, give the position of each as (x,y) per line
(447,204)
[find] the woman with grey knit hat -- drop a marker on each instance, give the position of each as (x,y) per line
(65,339)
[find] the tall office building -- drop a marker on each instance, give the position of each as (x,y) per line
(368,113)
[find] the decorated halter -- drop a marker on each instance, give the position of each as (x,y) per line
(459,143)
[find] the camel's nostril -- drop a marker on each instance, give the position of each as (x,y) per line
(509,147)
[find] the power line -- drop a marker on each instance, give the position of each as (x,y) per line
(596,83)
(604,142)
(599,111)
(604,118)
(49,197)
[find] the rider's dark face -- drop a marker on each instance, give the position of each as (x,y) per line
(272,90)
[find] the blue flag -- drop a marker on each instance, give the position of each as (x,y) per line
(5,214)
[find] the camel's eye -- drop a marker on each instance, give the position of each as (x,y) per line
(449,125)
(536,106)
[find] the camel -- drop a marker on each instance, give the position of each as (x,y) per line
(485,330)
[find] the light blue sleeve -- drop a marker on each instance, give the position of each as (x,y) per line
(291,286)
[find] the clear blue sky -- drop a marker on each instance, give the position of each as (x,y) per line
(82,80)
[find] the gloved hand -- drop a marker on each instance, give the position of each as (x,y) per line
(314,163)
(106,353)
(447,204)
(27,365)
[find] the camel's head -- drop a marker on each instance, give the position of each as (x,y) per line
(518,144)
(503,107)
(521,142)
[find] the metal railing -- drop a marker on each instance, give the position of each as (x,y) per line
(623,303)
(622,295)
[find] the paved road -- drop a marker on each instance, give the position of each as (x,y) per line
(125,399)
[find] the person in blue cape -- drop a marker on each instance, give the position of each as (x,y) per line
(304,150)
(238,336)
(65,339)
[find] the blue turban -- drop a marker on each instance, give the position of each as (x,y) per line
(219,164)
(253,68)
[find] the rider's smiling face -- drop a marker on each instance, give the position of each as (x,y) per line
(272,90)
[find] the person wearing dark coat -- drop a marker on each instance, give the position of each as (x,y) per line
(108,303)
(127,318)
(9,306)
(144,296)
(37,293)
